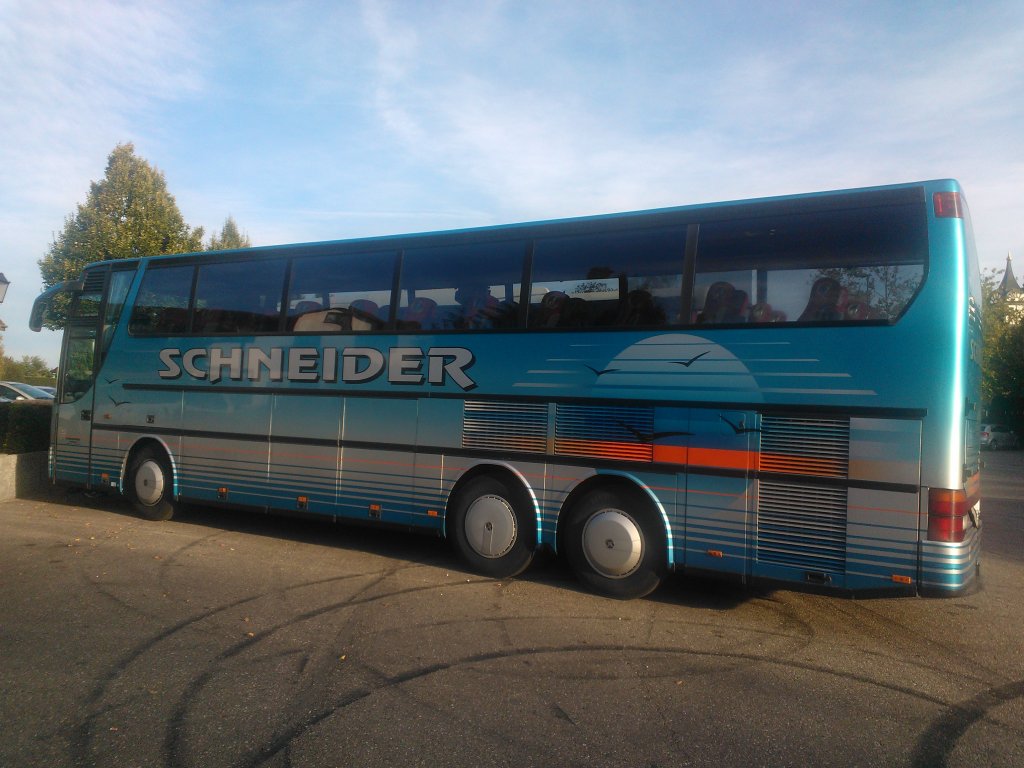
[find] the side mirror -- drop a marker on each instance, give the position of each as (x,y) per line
(41,305)
(35,321)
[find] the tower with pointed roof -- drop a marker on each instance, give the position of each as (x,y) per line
(1009,288)
(1009,285)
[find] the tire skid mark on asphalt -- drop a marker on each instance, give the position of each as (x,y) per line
(861,615)
(83,732)
(936,744)
(916,638)
(175,747)
(174,751)
(304,683)
(174,739)
(270,750)
(790,619)
(173,557)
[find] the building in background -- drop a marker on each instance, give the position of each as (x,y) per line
(1009,288)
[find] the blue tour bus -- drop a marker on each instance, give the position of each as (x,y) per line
(783,389)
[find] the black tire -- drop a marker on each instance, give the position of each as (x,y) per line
(615,542)
(492,527)
(151,484)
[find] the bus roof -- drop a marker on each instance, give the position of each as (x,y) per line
(568,225)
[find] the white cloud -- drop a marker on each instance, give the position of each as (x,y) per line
(79,77)
(373,117)
(832,98)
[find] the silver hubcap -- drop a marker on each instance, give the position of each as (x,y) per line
(613,543)
(491,526)
(149,483)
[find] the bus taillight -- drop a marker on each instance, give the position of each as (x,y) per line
(947,205)
(948,514)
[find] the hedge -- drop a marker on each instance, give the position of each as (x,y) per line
(25,426)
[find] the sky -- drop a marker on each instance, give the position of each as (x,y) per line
(310,121)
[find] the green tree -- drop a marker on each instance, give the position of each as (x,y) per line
(886,287)
(128,213)
(30,370)
(1002,381)
(229,237)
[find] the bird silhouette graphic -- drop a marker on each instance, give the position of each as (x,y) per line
(739,429)
(649,437)
(692,360)
(601,373)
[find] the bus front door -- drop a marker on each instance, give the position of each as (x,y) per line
(72,438)
(76,383)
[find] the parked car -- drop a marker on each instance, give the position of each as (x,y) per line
(996,436)
(13,390)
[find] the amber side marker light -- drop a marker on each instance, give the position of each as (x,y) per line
(947,205)
(902,579)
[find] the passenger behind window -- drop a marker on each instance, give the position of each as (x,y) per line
(717,303)
(421,314)
(549,311)
(762,312)
(478,309)
(738,308)
(823,303)
(575,315)
(365,315)
(640,308)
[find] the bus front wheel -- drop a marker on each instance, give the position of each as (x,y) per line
(615,543)
(491,527)
(150,485)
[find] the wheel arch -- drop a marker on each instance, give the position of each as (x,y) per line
(499,469)
(613,480)
(143,443)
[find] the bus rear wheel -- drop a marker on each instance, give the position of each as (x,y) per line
(615,543)
(151,484)
(491,527)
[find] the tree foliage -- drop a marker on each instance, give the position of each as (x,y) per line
(1003,371)
(885,287)
(128,213)
(30,370)
(229,237)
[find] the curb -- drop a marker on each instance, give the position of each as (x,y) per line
(22,475)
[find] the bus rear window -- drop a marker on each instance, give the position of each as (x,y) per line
(828,266)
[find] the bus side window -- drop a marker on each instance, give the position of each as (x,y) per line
(836,265)
(161,306)
(340,293)
(239,297)
(611,280)
(462,287)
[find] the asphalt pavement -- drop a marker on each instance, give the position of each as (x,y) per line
(227,639)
